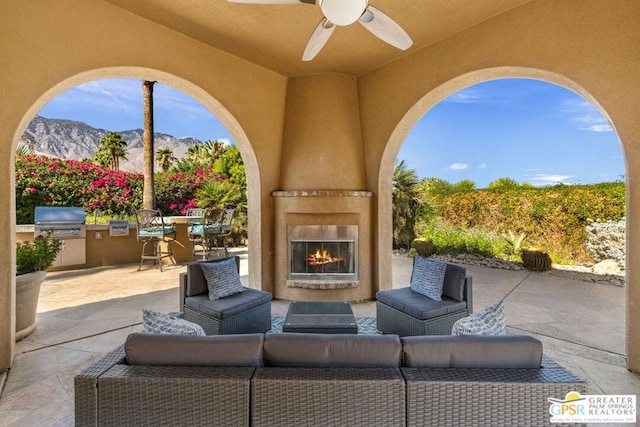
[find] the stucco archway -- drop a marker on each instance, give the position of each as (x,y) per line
(207,100)
(435,96)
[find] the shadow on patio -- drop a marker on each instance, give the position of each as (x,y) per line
(84,314)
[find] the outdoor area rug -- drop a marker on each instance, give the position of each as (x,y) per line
(366,325)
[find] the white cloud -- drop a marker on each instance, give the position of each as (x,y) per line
(465,96)
(112,94)
(599,128)
(458,166)
(583,112)
(542,179)
(483,166)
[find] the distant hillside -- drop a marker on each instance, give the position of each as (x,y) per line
(67,139)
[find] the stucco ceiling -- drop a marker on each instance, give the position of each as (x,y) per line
(274,36)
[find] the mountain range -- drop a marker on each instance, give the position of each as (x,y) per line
(72,140)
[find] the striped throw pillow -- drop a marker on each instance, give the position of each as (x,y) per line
(159,323)
(427,277)
(490,321)
(222,278)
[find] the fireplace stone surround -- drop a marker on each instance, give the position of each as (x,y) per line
(323,208)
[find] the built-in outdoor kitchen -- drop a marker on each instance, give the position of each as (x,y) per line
(87,244)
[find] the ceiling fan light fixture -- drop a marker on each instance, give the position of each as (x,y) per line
(341,12)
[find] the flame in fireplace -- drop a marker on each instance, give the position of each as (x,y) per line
(322,257)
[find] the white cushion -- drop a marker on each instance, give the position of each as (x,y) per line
(222,278)
(490,321)
(427,277)
(159,323)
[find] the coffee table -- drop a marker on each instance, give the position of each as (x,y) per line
(321,317)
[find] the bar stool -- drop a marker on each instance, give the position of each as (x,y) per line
(224,229)
(153,231)
(195,232)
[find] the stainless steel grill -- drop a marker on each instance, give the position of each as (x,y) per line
(68,225)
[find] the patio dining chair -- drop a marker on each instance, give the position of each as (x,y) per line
(152,232)
(204,226)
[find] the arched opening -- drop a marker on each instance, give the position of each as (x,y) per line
(520,134)
(206,100)
(423,106)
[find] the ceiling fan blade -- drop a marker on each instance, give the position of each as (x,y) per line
(385,28)
(273,1)
(318,39)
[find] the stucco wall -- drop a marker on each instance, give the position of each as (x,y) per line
(48,47)
(589,47)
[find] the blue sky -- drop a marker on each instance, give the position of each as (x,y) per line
(526,130)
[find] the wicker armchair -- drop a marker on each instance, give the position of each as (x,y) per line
(405,312)
(241,313)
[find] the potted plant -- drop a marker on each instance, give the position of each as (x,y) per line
(32,259)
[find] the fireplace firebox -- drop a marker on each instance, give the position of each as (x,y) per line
(323,253)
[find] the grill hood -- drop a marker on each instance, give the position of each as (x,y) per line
(51,215)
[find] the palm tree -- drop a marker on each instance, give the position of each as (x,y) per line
(165,158)
(202,155)
(24,148)
(148,189)
(405,205)
(112,149)
(219,194)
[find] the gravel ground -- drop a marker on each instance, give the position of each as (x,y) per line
(574,272)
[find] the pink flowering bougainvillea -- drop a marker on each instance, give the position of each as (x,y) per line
(43,181)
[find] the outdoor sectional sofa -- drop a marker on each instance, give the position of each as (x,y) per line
(283,379)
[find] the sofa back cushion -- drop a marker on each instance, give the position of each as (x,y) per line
(190,350)
(454,282)
(196,282)
(332,351)
(471,351)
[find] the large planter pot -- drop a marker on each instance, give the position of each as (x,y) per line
(27,294)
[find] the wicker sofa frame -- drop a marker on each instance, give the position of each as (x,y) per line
(113,393)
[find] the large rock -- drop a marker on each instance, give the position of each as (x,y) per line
(607,266)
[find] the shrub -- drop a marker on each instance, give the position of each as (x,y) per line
(455,240)
(552,217)
(37,255)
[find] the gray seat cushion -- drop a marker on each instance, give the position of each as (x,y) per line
(417,305)
(471,351)
(228,306)
(332,351)
(190,350)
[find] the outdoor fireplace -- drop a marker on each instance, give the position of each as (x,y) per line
(323,245)
(323,253)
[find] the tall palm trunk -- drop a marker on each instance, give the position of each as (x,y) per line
(148,192)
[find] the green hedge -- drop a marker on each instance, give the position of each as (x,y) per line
(552,217)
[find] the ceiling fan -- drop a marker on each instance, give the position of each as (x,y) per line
(343,13)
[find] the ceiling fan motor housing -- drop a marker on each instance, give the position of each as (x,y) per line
(341,12)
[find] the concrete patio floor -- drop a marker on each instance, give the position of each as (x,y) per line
(83,314)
